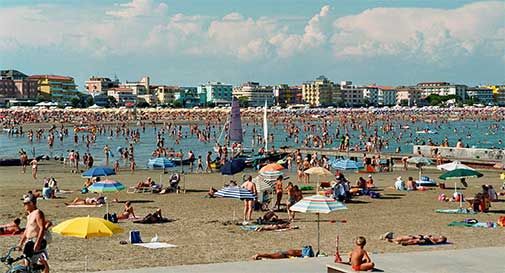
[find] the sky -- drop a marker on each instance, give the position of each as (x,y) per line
(190,42)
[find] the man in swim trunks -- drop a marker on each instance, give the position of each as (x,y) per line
(278,192)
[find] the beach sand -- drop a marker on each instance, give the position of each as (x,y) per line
(201,236)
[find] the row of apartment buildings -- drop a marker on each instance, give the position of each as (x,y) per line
(318,92)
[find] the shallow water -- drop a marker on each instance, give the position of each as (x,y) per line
(473,133)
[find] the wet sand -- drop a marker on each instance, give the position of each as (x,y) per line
(202,237)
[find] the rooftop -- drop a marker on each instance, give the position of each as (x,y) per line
(52,77)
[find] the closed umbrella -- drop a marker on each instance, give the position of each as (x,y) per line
(453,166)
(98,171)
(317,204)
(420,161)
(160,163)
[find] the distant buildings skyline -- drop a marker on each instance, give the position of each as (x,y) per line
(321,91)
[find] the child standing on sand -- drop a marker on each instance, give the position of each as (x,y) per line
(359,259)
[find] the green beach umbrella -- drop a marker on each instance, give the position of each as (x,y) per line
(460,173)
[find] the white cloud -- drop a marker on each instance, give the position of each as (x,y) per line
(137,8)
(431,34)
(416,33)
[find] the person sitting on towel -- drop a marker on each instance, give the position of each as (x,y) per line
(399,184)
(411,184)
(127,211)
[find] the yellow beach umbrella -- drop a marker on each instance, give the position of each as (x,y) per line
(87,227)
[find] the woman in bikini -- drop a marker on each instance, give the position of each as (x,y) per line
(127,211)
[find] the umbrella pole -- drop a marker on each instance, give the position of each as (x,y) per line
(318,235)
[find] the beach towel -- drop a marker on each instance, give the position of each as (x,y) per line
(85,206)
(155,245)
(455,211)
(129,219)
(249,228)
(10,234)
(475,225)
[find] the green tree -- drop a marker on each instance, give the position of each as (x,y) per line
(89,101)
(177,104)
(111,101)
(243,101)
(75,102)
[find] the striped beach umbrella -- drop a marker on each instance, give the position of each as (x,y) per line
(235,192)
(106,186)
(317,204)
(272,175)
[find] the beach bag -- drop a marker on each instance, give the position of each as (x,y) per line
(441,197)
(84,190)
(307,251)
(135,237)
(374,195)
(111,217)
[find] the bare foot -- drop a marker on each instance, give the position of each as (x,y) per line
(256,257)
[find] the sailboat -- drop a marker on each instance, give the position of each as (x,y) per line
(235,133)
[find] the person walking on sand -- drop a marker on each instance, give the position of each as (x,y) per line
(199,164)
(132,165)
(35,167)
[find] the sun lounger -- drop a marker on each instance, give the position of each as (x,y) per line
(85,206)
(139,190)
(455,211)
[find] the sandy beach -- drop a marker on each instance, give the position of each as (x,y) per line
(199,229)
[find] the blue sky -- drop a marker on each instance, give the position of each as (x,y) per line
(286,41)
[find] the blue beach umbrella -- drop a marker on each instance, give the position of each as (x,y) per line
(233,166)
(160,163)
(235,192)
(345,164)
(98,171)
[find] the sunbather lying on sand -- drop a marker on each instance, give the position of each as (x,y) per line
(286,226)
(279,255)
(153,218)
(87,201)
(11,228)
(415,239)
